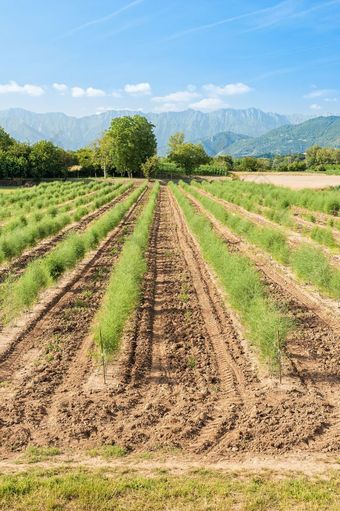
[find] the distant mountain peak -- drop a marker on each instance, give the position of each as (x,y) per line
(73,132)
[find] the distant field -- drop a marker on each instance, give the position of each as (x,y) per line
(294,181)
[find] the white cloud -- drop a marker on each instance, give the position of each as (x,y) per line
(138,89)
(315,106)
(169,107)
(94,93)
(60,87)
(13,87)
(177,97)
(116,94)
(209,104)
(230,89)
(90,92)
(330,100)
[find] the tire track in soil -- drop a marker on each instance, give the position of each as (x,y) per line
(313,350)
(18,265)
(168,380)
(52,351)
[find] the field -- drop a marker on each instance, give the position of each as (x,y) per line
(293,180)
(169,341)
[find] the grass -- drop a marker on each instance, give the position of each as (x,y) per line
(309,263)
(312,266)
(108,452)
(20,295)
(271,240)
(34,454)
(266,327)
(23,235)
(123,291)
(63,489)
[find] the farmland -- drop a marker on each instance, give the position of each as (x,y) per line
(194,317)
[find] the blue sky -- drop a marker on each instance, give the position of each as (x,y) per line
(88,56)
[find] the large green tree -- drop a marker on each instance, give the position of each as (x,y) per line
(48,160)
(186,155)
(129,142)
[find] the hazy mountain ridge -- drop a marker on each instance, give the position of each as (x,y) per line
(72,132)
(323,131)
(220,142)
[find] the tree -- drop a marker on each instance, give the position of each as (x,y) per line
(5,140)
(151,166)
(225,160)
(189,156)
(47,160)
(130,141)
(176,140)
(103,153)
(249,164)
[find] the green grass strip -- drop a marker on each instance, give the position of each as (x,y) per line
(14,243)
(130,489)
(309,263)
(123,292)
(271,240)
(266,327)
(19,295)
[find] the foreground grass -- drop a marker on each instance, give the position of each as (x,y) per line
(266,327)
(86,490)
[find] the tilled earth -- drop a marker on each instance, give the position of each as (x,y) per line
(185,376)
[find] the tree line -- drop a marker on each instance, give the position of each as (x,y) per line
(129,148)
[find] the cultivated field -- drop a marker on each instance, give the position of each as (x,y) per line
(293,180)
(196,319)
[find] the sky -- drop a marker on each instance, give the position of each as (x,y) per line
(89,56)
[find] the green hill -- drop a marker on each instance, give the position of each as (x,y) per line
(221,141)
(323,131)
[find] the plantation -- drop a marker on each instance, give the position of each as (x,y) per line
(145,319)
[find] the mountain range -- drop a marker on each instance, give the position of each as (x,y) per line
(238,132)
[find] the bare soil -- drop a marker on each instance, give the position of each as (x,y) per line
(294,181)
(185,377)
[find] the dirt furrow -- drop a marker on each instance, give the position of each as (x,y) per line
(326,308)
(41,369)
(18,265)
(294,239)
(313,350)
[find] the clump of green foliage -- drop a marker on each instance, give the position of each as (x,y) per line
(266,327)
(19,295)
(123,291)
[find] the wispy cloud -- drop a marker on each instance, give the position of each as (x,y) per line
(231,89)
(208,104)
(138,89)
(260,18)
(90,92)
(177,97)
(103,19)
(319,93)
(287,11)
(13,87)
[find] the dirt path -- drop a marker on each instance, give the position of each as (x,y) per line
(16,267)
(185,378)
